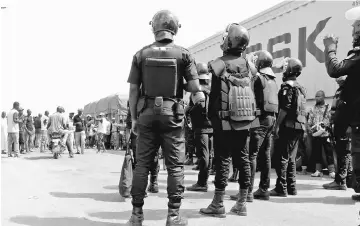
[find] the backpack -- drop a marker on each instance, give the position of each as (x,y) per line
(237,97)
(270,90)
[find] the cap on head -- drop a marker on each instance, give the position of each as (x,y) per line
(21,109)
(353,13)
(164,25)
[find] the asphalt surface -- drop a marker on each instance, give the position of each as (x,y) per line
(37,190)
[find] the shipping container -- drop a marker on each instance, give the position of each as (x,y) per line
(294,29)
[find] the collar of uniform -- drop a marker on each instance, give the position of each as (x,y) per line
(268,71)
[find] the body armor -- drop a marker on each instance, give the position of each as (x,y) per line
(237,100)
(271,100)
(161,70)
(300,102)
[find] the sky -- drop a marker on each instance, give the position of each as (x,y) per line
(73,52)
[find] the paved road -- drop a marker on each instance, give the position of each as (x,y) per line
(37,190)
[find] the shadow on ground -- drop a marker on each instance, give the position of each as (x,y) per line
(325,200)
(60,221)
(159,214)
(41,157)
(104,197)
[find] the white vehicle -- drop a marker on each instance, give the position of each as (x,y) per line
(294,29)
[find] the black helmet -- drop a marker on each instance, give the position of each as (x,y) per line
(292,66)
(236,38)
(203,71)
(264,59)
(164,25)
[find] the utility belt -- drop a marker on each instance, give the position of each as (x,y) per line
(161,106)
(224,115)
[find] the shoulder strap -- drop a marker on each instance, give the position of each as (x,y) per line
(218,67)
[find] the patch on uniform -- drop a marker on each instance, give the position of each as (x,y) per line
(350,56)
(161,48)
(285,92)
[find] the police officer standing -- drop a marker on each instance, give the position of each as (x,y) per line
(159,70)
(202,128)
(350,106)
(289,127)
(231,121)
(266,90)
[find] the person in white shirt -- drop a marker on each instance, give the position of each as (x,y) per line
(3,133)
(13,129)
(101,131)
(71,138)
(44,135)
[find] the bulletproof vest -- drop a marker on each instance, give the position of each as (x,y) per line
(162,69)
(300,102)
(270,90)
(237,99)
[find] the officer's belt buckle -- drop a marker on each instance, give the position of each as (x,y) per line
(158,105)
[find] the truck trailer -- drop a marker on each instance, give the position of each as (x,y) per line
(294,29)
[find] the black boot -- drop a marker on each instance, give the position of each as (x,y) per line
(240,206)
(216,208)
(153,187)
(173,217)
(137,217)
(234,176)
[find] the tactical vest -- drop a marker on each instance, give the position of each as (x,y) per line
(162,71)
(237,99)
(270,90)
(300,102)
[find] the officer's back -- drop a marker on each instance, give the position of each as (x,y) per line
(157,112)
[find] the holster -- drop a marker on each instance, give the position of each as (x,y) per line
(179,110)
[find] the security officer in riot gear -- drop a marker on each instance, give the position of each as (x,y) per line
(159,70)
(202,128)
(266,91)
(289,127)
(350,106)
(231,74)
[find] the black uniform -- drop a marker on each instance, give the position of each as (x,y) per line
(350,108)
(290,133)
(203,136)
(261,140)
(161,119)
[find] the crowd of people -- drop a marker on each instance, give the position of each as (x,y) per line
(22,134)
(236,113)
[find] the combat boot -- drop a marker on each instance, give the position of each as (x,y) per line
(137,217)
(153,187)
(262,194)
(240,206)
(216,208)
(173,217)
(249,198)
(234,176)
